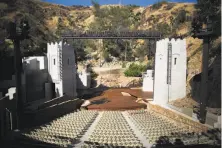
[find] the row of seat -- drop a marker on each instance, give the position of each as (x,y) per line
(113,130)
(64,131)
(153,126)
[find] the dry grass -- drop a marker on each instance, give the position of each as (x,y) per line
(53,23)
(185,102)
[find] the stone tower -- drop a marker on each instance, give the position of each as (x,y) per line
(170,70)
(62,68)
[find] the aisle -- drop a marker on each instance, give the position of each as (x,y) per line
(90,130)
(142,139)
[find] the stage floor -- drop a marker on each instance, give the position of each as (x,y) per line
(113,99)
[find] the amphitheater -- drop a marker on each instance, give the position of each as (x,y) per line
(132,127)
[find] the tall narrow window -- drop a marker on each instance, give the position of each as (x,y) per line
(175,61)
(54,61)
(68,61)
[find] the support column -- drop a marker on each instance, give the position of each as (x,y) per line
(154,63)
(2,123)
(18,68)
(204,80)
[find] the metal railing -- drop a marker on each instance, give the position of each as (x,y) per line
(7,116)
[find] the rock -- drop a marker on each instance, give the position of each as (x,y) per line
(86,103)
(125,94)
(139,99)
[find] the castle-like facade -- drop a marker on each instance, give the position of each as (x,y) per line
(170,70)
(62,68)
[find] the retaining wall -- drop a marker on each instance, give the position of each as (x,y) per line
(179,117)
(50,113)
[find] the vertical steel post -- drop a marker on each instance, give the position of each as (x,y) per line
(204,80)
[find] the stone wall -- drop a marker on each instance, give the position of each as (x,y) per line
(35,63)
(148,81)
(35,85)
(180,118)
(68,70)
(54,66)
(50,113)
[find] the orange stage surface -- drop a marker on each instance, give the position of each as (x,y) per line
(113,99)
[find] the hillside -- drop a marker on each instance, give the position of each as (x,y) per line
(48,21)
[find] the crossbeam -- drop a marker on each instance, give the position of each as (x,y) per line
(113,35)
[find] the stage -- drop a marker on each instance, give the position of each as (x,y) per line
(113,99)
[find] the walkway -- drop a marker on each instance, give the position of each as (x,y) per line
(142,139)
(89,131)
(137,132)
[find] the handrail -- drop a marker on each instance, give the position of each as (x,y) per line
(7,107)
(54,101)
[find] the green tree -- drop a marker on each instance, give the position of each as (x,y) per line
(208,9)
(135,70)
(79,46)
(3,8)
(142,51)
(113,18)
(164,28)
(159,4)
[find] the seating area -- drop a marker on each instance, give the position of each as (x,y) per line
(131,129)
(64,131)
(160,129)
(113,130)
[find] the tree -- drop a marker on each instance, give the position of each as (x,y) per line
(79,46)
(112,18)
(164,28)
(3,7)
(181,17)
(208,9)
(142,51)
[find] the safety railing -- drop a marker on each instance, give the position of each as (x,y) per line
(7,116)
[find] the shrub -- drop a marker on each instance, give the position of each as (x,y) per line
(170,6)
(124,65)
(106,56)
(159,4)
(133,6)
(150,64)
(181,17)
(94,75)
(135,70)
(164,28)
